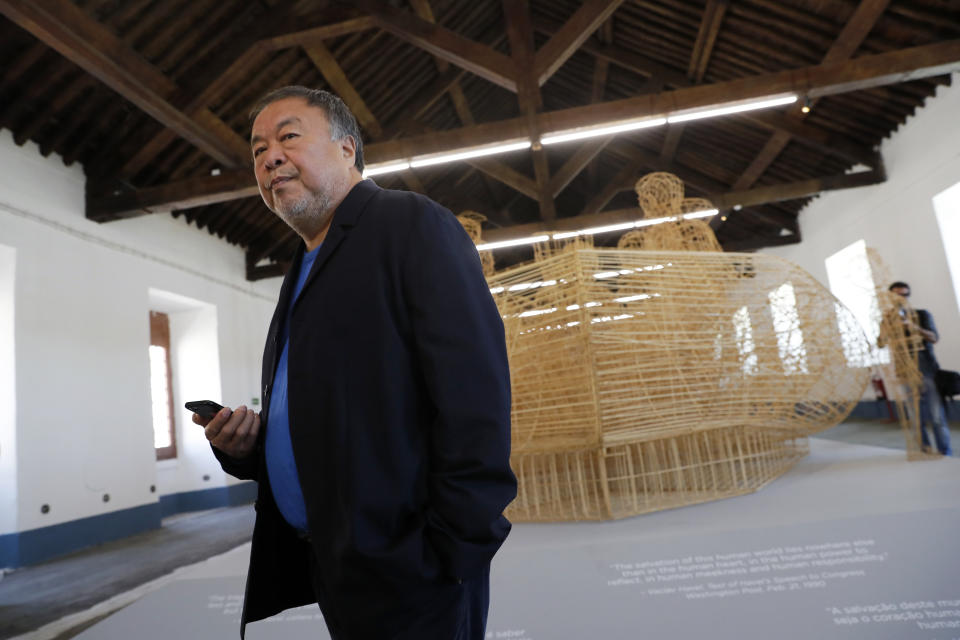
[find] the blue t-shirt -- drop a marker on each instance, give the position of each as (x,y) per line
(281,465)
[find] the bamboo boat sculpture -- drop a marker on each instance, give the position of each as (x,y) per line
(645,379)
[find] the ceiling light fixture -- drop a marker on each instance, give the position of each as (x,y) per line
(476,152)
(697,114)
(378,169)
(489,246)
(806,106)
(620,226)
(601,130)
(555,137)
(706,213)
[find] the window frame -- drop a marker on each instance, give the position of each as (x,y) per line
(160,337)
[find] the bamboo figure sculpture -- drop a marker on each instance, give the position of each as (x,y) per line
(897,355)
(650,379)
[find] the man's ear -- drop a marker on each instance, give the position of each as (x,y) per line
(348,147)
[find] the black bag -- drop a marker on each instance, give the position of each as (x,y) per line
(948,383)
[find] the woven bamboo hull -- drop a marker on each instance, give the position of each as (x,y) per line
(630,479)
(648,380)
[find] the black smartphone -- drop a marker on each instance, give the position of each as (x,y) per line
(204,408)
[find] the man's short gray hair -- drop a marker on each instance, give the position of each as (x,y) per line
(342,122)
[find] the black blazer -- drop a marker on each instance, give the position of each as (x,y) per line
(399,405)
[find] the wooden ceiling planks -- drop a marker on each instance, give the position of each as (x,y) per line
(210,60)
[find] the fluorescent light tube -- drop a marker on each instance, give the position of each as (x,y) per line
(700,214)
(512,243)
(605,130)
(735,108)
(385,168)
(469,153)
(610,227)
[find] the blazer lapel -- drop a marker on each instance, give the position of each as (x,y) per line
(345,218)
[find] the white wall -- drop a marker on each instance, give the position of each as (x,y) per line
(8,405)
(83,420)
(897,217)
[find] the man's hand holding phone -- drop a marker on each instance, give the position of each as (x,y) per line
(233,432)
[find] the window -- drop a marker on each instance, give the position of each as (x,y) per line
(947,207)
(851,281)
(786,324)
(745,345)
(161,387)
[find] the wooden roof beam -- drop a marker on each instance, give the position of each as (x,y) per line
(520,34)
(851,37)
(183,194)
(794,190)
(657,73)
(462,106)
(91,46)
(620,181)
(214,76)
(576,163)
(863,72)
(671,141)
(706,37)
(588,18)
(855,31)
(876,70)
(307,37)
(760,242)
(443,43)
(760,195)
(508,176)
(337,79)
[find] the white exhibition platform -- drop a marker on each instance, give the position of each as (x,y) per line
(853,543)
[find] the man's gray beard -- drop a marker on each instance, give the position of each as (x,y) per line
(307,215)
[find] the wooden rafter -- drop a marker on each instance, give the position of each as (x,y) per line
(853,75)
(576,163)
(473,56)
(306,37)
(706,37)
(754,243)
(88,44)
(866,71)
(520,34)
(184,194)
(337,79)
(490,168)
(658,75)
(671,141)
(851,37)
(760,195)
(209,79)
(558,49)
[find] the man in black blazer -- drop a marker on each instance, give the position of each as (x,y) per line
(382,448)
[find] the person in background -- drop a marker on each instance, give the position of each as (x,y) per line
(932,415)
(382,450)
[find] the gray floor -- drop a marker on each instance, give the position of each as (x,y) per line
(34,596)
(878,433)
(834,536)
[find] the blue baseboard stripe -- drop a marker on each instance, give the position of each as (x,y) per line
(38,545)
(242,493)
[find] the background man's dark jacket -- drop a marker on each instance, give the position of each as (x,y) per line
(399,405)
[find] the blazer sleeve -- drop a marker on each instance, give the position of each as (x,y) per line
(244,469)
(460,344)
